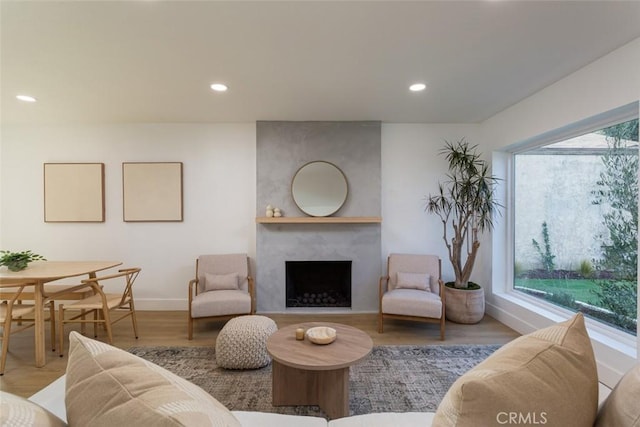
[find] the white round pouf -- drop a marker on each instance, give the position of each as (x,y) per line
(242,342)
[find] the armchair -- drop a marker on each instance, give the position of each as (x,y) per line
(222,288)
(412,290)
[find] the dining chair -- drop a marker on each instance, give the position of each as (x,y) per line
(222,288)
(412,290)
(13,310)
(53,292)
(103,305)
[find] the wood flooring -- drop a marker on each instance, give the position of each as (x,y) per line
(169,328)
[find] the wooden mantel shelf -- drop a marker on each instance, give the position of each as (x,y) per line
(320,220)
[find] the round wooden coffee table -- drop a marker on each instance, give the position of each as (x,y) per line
(304,373)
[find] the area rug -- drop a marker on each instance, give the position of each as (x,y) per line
(390,379)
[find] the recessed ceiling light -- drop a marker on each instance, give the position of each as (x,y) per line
(219,87)
(417,87)
(26,98)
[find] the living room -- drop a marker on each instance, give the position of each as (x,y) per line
(216,138)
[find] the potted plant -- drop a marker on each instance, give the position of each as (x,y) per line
(16,261)
(466,204)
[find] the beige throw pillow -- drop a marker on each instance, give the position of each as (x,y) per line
(18,411)
(622,408)
(106,386)
(220,282)
(545,378)
(413,281)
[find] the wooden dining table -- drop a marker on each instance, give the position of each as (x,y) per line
(40,272)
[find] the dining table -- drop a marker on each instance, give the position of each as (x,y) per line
(37,274)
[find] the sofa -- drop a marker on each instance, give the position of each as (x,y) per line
(544,378)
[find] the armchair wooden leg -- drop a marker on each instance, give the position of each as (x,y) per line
(442,329)
(190,328)
(380,326)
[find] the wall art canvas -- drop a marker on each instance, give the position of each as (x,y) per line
(152,191)
(74,192)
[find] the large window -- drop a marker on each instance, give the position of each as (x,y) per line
(576,224)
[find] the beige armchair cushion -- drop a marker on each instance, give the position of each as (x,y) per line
(420,281)
(622,408)
(106,386)
(429,264)
(223,264)
(547,377)
(220,282)
(412,302)
(220,303)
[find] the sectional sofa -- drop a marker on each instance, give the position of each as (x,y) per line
(544,378)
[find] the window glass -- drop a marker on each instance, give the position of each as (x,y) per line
(576,224)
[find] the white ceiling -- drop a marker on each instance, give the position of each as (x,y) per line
(153,61)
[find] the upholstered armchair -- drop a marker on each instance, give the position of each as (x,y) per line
(412,290)
(222,288)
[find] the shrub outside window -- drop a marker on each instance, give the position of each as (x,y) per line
(576,224)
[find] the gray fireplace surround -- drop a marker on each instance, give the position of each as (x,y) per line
(282,148)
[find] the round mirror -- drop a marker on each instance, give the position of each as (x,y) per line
(319,188)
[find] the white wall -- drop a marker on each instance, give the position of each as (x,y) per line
(219,196)
(411,170)
(611,82)
(219,199)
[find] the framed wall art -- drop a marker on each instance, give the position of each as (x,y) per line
(152,191)
(74,192)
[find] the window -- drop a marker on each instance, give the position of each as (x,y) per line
(576,224)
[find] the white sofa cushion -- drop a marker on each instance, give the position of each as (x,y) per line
(386,419)
(52,398)
(265,419)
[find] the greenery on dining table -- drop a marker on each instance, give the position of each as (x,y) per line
(16,261)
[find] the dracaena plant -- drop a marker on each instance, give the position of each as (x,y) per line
(466,205)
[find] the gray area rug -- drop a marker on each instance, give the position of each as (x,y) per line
(390,379)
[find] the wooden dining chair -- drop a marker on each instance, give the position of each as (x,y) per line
(13,310)
(51,292)
(102,305)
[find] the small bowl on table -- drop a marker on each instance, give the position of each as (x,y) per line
(321,335)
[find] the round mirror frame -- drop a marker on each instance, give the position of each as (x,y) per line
(337,200)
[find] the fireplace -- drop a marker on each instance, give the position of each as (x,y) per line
(318,283)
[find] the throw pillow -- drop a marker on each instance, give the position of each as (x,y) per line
(220,282)
(18,411)
(547,377)
(621,409)
(106,386)
(413,281)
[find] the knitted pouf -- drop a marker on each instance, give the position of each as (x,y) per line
(242,342)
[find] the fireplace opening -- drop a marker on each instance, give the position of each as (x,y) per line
(318,283)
